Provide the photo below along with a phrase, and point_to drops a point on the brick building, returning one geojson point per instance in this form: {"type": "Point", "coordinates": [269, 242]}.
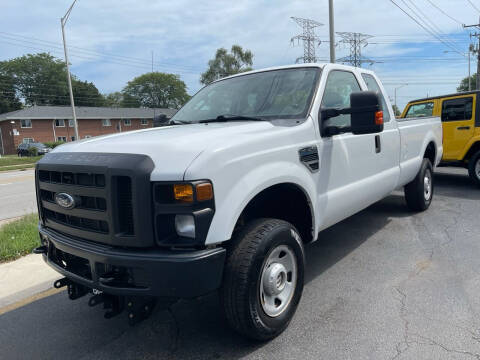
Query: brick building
{"type": "Point", "coordinates": [54, 123]}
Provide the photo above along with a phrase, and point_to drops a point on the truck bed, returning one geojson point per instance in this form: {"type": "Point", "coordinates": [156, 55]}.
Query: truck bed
{"type": "Point", "coordinates": [415, 133]}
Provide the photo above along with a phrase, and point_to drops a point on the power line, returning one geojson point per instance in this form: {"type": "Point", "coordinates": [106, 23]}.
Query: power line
{"type": "Point", "coordinates": [423, 18]}
{"type": "Point", "coordinates": [81, 49]}
{"type": "Point", "coordinates": [426, 29]}
{"type": "Point", "coordinates": [473, 5]}
{"type": "Point", "coordinates": [308, 37]}
{"type": "Point", "coordinates": [443, 12]}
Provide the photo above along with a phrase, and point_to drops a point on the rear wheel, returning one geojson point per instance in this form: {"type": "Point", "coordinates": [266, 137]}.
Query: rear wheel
{"type": "Point", "coordinates": [263, 280]}
{"type": "Point", "coordinates": [474, 168]}
{"type": "Point", "coordinates": [419, 192]}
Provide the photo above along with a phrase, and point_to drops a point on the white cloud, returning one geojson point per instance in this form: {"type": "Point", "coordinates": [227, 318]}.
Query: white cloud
{"type": "Point", "coordinates": [184, 35]}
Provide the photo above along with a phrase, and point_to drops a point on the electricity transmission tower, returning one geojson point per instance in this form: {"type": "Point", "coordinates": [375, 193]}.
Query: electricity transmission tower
{"type": "Point", "coordinates": [309, 39]}
{"type": "Point", "coordinates": [357, 41]}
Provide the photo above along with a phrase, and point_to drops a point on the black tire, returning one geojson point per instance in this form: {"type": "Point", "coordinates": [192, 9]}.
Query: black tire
{"type": "Point", "coordinates": [473, 167]}
{"type": "Point", "coordinates": [416, 191]}
{"type": "Point", "coordinates": [241, 294]}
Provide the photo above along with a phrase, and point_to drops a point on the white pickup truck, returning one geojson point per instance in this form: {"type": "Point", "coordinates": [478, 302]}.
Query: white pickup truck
{"type": "Point", "coordinates": [251, 169]}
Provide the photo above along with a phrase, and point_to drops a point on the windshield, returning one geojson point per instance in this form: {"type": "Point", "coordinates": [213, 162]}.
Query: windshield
{"type": "Point", "coordinates": [280, 94]}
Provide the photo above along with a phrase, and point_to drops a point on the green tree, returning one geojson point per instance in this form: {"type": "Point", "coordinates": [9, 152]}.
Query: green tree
{"type": "Point", "coordinates": [85, 94]}
{"type": "Point", "coordinates": [156, 89]}
{"type": "Point", "coordinates": [9, 100]}
{"type": "Point", "coordinates": [396, 110]}
{"type": "Point", "coordinates": [225, 64]}
{"type": "Point", "coordinates": [464, 83]}
{"type": "Point", "coordinates": [41, 79]}
{"type": "Point", "coordinates": [119, 99]}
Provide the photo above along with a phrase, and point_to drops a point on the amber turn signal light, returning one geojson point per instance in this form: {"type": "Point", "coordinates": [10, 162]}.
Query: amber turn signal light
{"type": "Point", "coordinates": [183, 192]}
{"type": "Point", "coordinates": [204, 191]}
{"type": "Point", "coordinates": [379, 118]}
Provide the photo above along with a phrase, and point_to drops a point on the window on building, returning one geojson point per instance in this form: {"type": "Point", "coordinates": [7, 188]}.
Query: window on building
{"type": "Point", "coordinates": [420, 110]}
{"type": "Point", "coordinates": [457, 109]}
{"type": "Point", "coordinates": [88, 136]}
{"type": "Point", "coordinates": [144, 122]}
{"type": "Point", "coordinates": [60, 123]}
{"type": "Point", "coordinates": [62, 138]}
{"type": "Point", "coordinates": [70, 123]}
{"type": "Point", "coordinates": [106, 122]}
{"type": "Point", "coordinates": [28, 140]}
{"type": "Point", "coordinates": [26, 123]}
{"type": "Point", "coordinates": [127, 122]}
{"type": "Point", "coordinates": [72, 138]}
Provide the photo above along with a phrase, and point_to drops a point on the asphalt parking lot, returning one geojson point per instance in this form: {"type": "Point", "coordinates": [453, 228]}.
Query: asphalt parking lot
{"type": "Point", "coordinates": [383, 284]}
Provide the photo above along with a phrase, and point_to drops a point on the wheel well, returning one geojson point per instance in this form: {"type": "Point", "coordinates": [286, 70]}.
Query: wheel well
{"type": "Point", "coordinates": [283, 201]}
{"type": "Point", "coordinates": [431, 153]}
{"type": "Point", "coordinates": [473, 150]}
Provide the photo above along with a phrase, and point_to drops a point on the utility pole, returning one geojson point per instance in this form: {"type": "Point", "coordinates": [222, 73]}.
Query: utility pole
{"type": "Point", "coordinates": [395, 92]}
{"type": "Point", "coordinates": [308, 37]}
{"type": "Point", "coordinates": [477, 51]}
{"type": "Point", "coordinates": [63, 21]}
{"type": "Point", "coordinates": [331, 27]}
{"type": "Point", "coordinates": [357, 41]}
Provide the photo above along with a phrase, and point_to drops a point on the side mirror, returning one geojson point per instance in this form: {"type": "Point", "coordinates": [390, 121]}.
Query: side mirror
{"type": "Point", "coordinates": [366, 116]}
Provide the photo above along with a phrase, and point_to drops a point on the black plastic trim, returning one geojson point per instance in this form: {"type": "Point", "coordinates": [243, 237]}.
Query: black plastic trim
{"type": "Point", "coordinates": [202, 211]}
{"type": "Point", "coordinates": [135, 166]}
{"type": "Point", "coordinates": [167, 273]}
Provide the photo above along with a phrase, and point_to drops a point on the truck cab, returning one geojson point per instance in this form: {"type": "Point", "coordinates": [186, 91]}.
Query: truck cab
{"type": "Point", "coordinates": [460, 114]}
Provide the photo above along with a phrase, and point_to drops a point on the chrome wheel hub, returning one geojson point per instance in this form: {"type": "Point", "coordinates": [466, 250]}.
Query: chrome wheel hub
{"type": "Point", "coordinates": [278, 281]}
{"type": "Point", "coordinates": [427, 185]}
{"type": "Point", "coordinates": [477, 168]}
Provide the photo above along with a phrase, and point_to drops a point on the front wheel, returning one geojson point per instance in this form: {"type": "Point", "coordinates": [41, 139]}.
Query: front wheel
{"type": "Point", "coordinates": [474, 168]}
{"type": "Point", "coordinates": [263, 280]}
{"type": "Point", "coordinates": [419, 192]}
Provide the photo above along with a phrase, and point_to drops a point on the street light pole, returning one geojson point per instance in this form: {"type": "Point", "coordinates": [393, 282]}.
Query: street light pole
{"type": "Point", "coordinates": [395, 92]}
{"type": "Point", "coordinates": [332, 30]}
{"type": "Point", "coordinates": [63, 21]}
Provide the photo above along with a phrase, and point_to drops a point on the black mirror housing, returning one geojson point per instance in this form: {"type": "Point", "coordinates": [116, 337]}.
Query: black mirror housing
{"type": "Point", "coordinates": [366, 115]}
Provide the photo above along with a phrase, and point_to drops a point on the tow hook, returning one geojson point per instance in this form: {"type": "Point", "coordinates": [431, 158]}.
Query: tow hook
{"type": "Point", "coordinates": [40, 250]}
{"type": "Point", "coordinates": [75, 291]}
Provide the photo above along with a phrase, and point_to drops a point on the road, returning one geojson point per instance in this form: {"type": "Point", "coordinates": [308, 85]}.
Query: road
{"type": "Point", "coordinates": [17, 193]}
{"type": "Point", "coordinates": [383, 284]}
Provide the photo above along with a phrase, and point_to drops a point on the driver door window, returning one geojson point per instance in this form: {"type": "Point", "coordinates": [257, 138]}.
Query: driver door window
{"type": "Point", "coordinates": [339, 86]}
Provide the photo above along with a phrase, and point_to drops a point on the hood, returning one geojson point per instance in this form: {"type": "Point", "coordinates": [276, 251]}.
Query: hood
{"type": "Point", "coordinates": [172, 148]}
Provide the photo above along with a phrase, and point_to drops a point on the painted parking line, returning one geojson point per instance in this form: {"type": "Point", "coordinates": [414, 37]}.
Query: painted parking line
{"type": "Point", "coordinates": [29, 300]}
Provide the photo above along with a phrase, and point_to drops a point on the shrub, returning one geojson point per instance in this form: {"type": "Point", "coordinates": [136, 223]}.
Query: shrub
{"type": "Point", "coordinates": [53, 144]}
{"type": "Point", "coordinates": [33, 151]}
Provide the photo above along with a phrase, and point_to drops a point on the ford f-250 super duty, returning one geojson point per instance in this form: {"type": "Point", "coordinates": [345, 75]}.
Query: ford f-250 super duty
{"type": "Point", "coordinates": [251, 169]}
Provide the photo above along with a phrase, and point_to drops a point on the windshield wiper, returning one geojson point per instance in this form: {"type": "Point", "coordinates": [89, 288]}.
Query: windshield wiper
{"type": "Point", "coordinates": [224, 118]}
{"type": "Point", "coordinates": [178, 122]}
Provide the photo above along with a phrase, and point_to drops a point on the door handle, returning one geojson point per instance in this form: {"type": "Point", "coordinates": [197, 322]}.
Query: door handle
{"type": "Point", "coordinates": [378, 144]}
{"type": "Point", "coordinates": [463, 128]}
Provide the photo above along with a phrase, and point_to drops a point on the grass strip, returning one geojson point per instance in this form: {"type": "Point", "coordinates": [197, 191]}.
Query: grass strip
{"type": "Point", "coordinates": [18, 238]}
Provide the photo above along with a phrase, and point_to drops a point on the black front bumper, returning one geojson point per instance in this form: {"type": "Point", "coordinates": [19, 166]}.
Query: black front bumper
{"type": "Point", "coordinates": [139, 272]}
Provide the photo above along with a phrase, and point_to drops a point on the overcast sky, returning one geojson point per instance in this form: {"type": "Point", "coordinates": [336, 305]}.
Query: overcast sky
{"type": "Point", "coordinates": [112, 41]}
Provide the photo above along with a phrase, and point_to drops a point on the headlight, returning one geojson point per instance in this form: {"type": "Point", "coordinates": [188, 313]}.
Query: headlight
{"type": "Point", "coordinates": [185, 193]}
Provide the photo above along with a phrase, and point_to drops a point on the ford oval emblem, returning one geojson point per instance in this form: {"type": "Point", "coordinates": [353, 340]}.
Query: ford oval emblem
{"type": "Point", "coordinates": [65, 200]}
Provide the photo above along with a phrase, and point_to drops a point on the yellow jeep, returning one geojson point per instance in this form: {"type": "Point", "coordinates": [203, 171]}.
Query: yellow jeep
{"type": "Point", "coordinates": [460, 115]}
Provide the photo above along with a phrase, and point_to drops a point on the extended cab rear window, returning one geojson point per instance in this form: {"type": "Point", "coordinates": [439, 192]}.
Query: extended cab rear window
{"type": "Point", "coordinates": [420, 110]}
{"type": "Point", "coordinates": [372, 85]}
{"type": "Point", "coordinates": [457, 109]}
